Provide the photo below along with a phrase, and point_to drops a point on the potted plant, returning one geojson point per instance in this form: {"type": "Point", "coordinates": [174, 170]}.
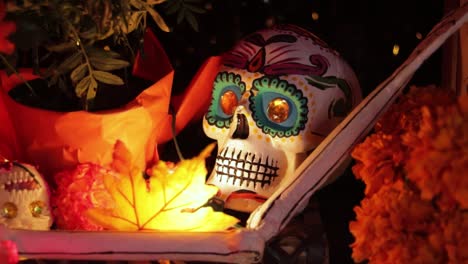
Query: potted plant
{"type": "Point", "coordinates": [96, 74]}
{"type": "Point", "coordinates": [85, 46]}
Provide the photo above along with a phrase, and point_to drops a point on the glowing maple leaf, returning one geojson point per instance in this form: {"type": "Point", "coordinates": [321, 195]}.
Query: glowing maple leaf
{"type": "Point", "coordinates": [171, 199]}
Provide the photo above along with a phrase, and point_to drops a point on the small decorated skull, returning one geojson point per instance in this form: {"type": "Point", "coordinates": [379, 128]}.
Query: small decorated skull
{"type": "Point", "coordinates": [278, 94]}
{"type": "Point", "coordinates": [24, 197]}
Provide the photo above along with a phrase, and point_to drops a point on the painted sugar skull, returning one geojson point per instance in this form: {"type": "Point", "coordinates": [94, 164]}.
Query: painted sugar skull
{"type": "Point", "coordinates": [24, 197]}
{"type": "Point", "coordinates": [279, 92]}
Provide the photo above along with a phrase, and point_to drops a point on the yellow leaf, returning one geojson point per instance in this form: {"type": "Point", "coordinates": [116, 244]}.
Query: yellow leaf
{"type": "Point", "coordinates": [173, 197]}
{"type": "Point", "coordinates": [157, 18]}
{"type": "Point", "coordinates": [121, 158]}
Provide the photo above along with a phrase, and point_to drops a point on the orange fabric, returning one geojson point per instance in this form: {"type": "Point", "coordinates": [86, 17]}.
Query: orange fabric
{"type": "Point", "coordinates": [194, 102]}
{"type": "Point", "coordinates": [55, 140]}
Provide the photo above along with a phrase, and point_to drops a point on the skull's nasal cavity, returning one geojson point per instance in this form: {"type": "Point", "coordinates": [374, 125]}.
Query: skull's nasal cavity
{"type": "Point", "coordinates": [242, 128]}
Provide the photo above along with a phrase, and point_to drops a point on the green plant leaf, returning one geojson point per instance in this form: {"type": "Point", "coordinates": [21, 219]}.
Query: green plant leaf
{"type": "Point", "coordinates": [110, 31]}
{"type": "Point", "coordinates": [172, 7]}
{"type": "Point", "coordinates": [65, 87]}
{"type": "Point", "coordinates": [108, 64]}
{"type": "Point", "coordinates": [155, 2]}
{"type": "Point", "coordinates": [191, 20]}
{"type": "Point", "coordinates": [70, 63]}
{"type": "Point", "coordinates": [62, 47]}
{"type": "Point", "coordinates": [87, 85]}
{"type": "Point", "coordinates": [89, 34]}
{"type": "Point", "coordinates": [82, 86]}
{"type": "Point", "coordinates": [132, 22]}
{"type": "Point", "coordinates": [180, 15]}
{"type": "Point", "coordinates": [52, 80]}
{"type": "Point", "coordinates": [101, 53]}
{"type": "Point", "coordinates": [92, 90]}
{"type": "Point", "coordinates": [79, 72]}
{"type": "Point", "coordinates": [137, 4]}
{"type": "Point", "coordinates": [157, 18]}
{"type": "Point", "coordinates": [195, 9]}
{"type": "Point", "coordinates": [106, 77]}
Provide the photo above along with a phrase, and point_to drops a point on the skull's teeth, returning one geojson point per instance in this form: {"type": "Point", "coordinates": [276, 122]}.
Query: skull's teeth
{"type": "Point", "coordinates": [20, 182]}
{"type": "Point", "coordinates": [245, 168]}
{"type": "Point", "coordinates": [21, 185]}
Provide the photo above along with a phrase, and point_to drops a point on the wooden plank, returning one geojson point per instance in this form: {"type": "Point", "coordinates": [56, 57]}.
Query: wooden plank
{"type": "Point", "coordinates": [463, 55]}
{"type": "Point", "coordinates": [455, 55]}
{"type": "Point", "coordinates": [237, 246]}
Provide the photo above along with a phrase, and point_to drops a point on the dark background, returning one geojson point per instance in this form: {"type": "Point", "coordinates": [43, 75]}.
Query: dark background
{"type": "Point", "coordinates": [362, 31]}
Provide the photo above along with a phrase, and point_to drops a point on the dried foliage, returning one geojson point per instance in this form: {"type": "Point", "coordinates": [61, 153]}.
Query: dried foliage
{"type": "Point", "coordinates": [86, 44]}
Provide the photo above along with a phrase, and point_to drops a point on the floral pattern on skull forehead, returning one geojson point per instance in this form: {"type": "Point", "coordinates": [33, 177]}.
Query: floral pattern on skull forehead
{"type": "Point", "coordinates": [286, 50]}
{"type": "Point", "coordinates": [273, 54]}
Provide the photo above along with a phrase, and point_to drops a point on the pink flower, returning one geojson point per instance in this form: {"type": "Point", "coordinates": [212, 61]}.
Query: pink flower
{"type": "Point", "coordinates": [77, 191]}
{"type": "Point", "coordinates": [8, 252]}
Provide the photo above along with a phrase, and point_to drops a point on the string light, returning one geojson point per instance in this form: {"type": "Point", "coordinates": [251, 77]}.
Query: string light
{"type": "Point", "coordinates": [269, 22]}
{"type": "Point", "coordinates": [418, 35]}
{"type": "Point", "coordinates": [315, 16]}
{"type": "Point", "coordinates": [396, 49]}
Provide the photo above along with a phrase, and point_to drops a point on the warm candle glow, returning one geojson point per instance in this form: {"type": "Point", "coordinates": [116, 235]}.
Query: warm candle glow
{"type": "Point", "coordinates": [172, 199]}
{"type": "Point", "coordinates": [396, 49]}
{"type": "Point", "coordinates": [315, 16]}
{"type": "Point", "coordinates": [419, 35]}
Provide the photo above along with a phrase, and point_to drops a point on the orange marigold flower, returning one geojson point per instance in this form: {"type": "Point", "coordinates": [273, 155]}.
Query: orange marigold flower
{"type": "Point", "coordinates": [455, 235]}
{"type": "Point", "coordinates": [379, 159]}
{"type": "Point", "coordinates": [393, 226]}
{"type": "Point", "coordinates": [438, 164]}
{"type": "Point", "coordinates": [404, 115]}
{"type": "Point", "coordinates": [414, 167]}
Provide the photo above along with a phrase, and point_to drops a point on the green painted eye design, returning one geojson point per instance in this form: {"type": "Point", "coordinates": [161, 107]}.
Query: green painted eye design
{"type": "Point", "coordinates": [228, 88]}
{"type": "Point", "coordinates": [278, 108]}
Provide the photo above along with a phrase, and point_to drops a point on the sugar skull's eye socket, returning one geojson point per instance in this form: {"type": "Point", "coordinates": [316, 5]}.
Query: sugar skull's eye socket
{"type": "Point", "coordinates": [9, 210]}
{"type": "Point", "coordinates": [36, 208]}
{"type": "Point", "coordinates": [228, 88]}
{"type": "Point", "coordinates": [228, 102]}
{"type": "Point", "coordinates": [278, 107]}
{"type": "Point", "coordinates": [278, 110]}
